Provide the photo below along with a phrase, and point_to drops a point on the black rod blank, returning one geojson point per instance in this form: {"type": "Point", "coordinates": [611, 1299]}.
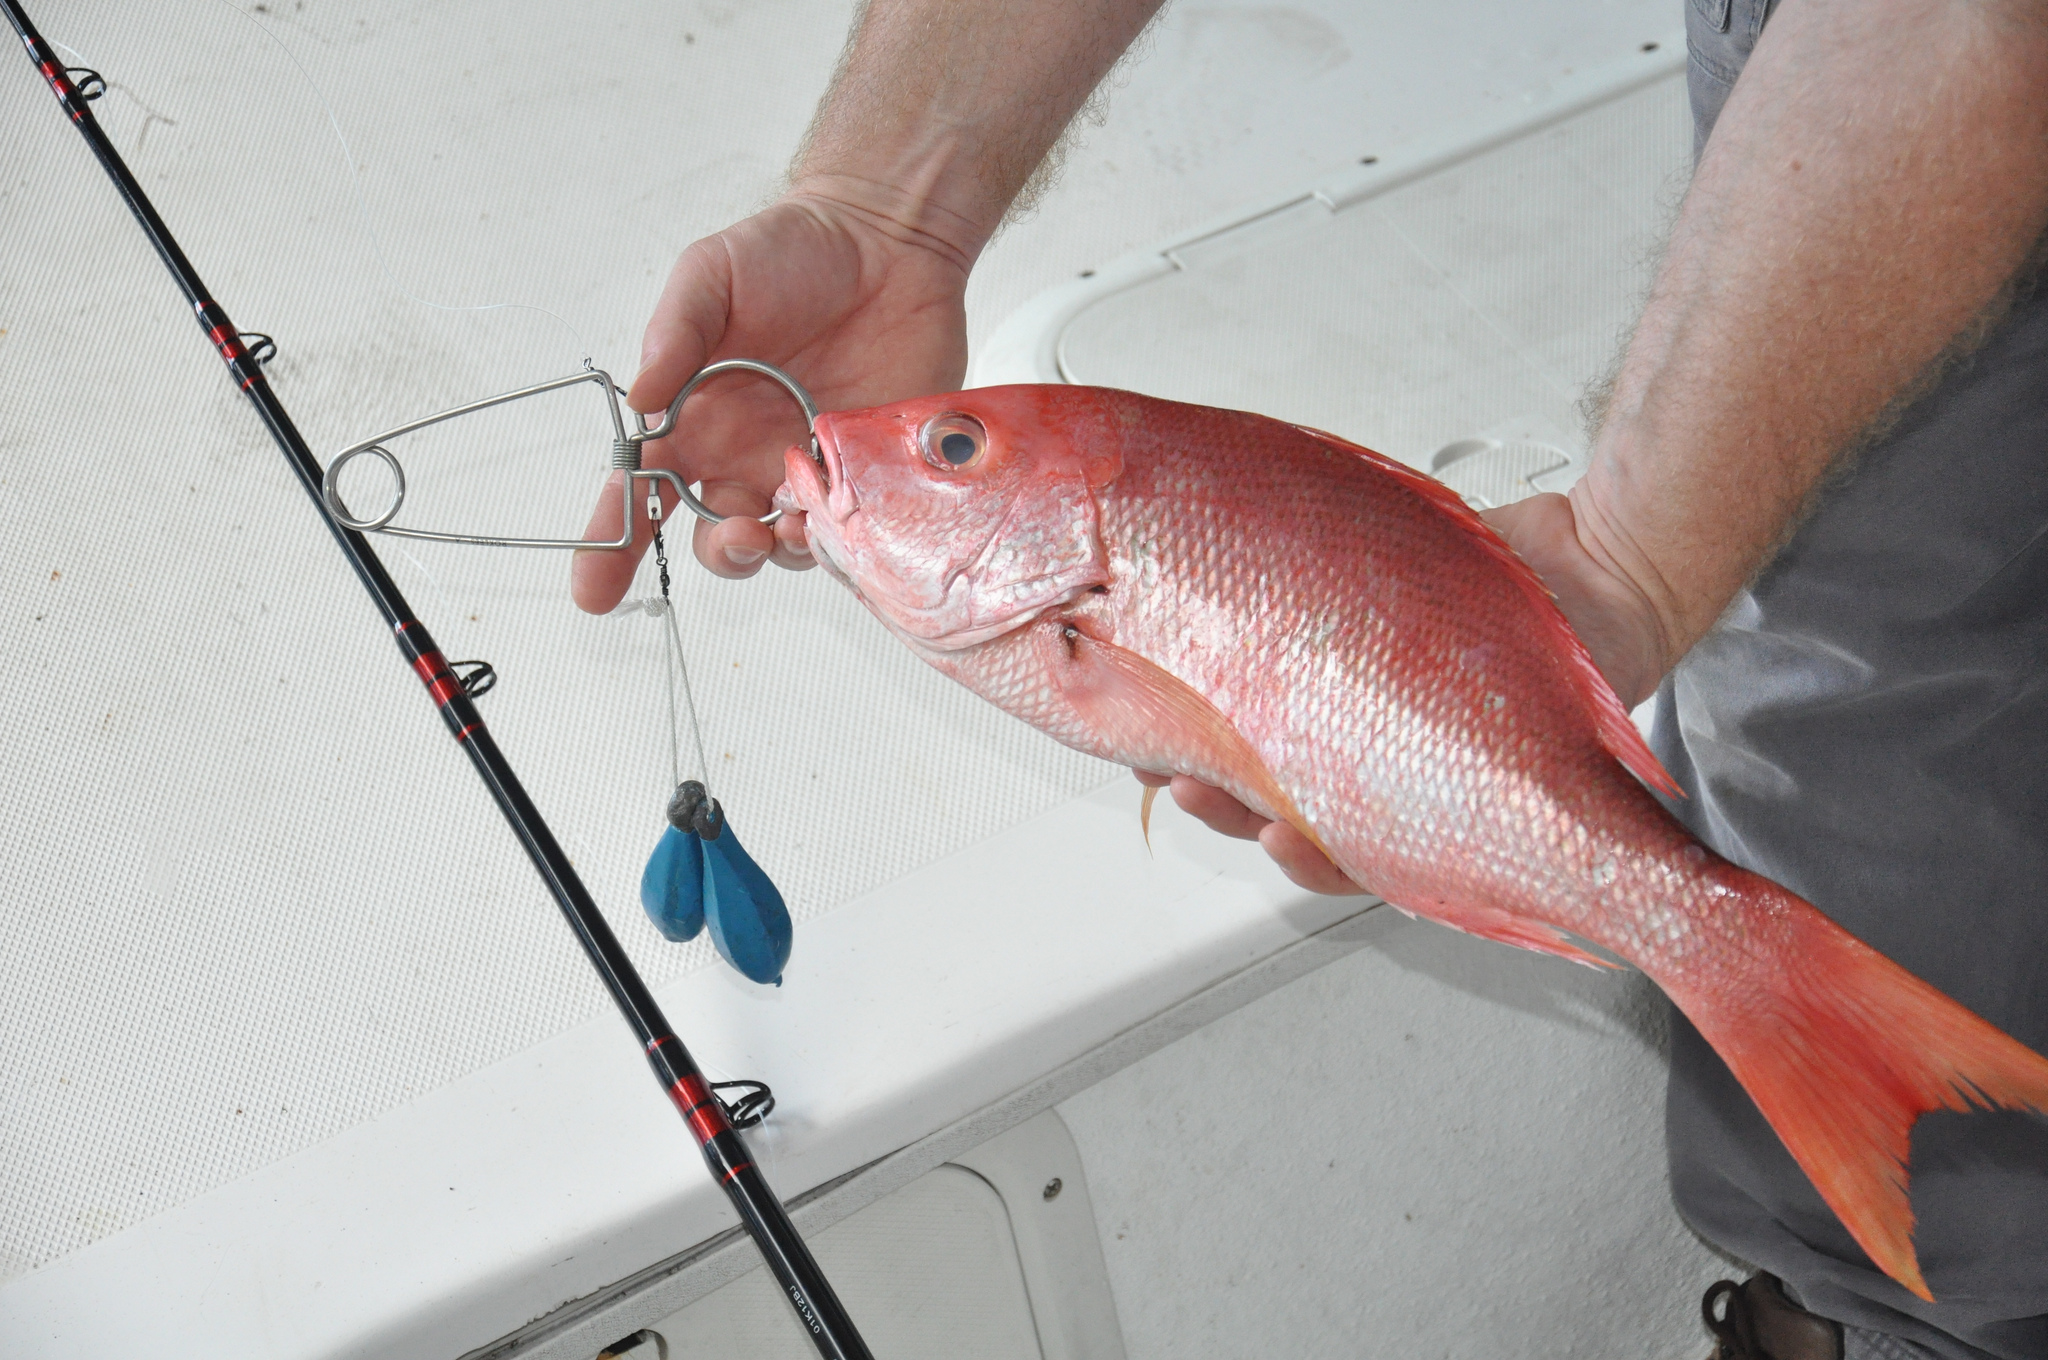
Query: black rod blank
{"type": "Point", "coordinates": [731, 1165]}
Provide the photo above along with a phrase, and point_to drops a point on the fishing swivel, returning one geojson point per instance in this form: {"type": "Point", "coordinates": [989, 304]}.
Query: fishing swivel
{"type": "Point", "coordinates": [627, 447]}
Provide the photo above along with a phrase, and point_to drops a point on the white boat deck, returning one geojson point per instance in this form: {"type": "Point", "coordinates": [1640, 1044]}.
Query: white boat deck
{"type": "Point", "coordinates": [298, 1060]}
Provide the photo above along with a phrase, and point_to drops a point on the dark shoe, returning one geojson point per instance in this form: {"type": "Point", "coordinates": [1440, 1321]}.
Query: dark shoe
{"type": "Point", "coordinates": [1760, 1323]}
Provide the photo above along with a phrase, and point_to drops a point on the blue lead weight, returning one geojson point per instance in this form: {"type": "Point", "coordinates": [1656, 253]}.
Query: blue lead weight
{"type": "Point", "coordinates": [701, 875]}
{"type": "Point", "coordinates": [749, 924]}
{"type": "Point", "coordinates": [672, 886]}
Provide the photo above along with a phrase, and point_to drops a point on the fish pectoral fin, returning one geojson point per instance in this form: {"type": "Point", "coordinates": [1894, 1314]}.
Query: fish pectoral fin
{"type": "Point", "coordinates": [1491, 923]}
{"type": "Point", "coordinates": [1139, 707]}
{"type": "Point", "coordinates": [1145, 813]}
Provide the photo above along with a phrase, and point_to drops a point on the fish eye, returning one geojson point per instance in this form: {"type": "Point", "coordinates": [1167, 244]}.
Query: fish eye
{"type": "Point", "coordinates": [953, 440]}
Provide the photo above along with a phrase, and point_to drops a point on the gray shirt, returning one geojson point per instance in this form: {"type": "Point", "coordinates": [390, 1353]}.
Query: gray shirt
{"type": "Point", "coordinates": [1868, 725]}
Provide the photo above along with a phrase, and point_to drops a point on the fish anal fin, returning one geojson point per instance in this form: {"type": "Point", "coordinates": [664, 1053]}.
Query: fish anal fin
{"type": "Point", "coordinates": [1490, 923]}
{"type": "Point", "coordinates": [1616, 731]}
{"type": "Point", "coordinates": [1160, 722]}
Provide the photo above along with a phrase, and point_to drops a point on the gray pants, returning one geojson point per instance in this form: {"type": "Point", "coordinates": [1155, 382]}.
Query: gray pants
{"type": "Point", "coordinates": [1868, 725]}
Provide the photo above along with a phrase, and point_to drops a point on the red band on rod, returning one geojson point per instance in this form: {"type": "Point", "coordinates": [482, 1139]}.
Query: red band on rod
{"type": "Point", "coordinates": [440, 681]}
{"type": "Point", "coordinates": [701, 1110]}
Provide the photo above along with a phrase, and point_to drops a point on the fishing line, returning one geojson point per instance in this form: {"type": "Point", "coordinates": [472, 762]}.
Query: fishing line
{"type": "Point", "coordinates": [674, 664]}
{"type": "Point", "coordinates": [432, 582]}
{"type": "Point", "coordinates": [355, 182]}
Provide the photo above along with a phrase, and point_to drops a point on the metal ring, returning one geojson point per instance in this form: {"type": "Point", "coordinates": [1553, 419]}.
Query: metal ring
{"type": "Point", "coordinates": [668, 423]}
{"type": "Point", "coordinates": [330, 490]}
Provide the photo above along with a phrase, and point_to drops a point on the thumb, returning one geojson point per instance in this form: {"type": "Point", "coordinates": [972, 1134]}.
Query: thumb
{"type": "Point", "coordinates": [688, 323]}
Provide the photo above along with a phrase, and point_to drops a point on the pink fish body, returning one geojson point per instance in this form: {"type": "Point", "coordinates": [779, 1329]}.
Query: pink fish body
{"type": "Point", "coordinates": [1339, 642]}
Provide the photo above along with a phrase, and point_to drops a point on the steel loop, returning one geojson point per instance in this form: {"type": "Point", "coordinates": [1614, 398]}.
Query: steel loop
{"type": "Point", "coordinates": [668, 423]}
{"type": "Point", "coordinates": [626, 457]}
{"type": "Point", "coordinates": [330, 490]}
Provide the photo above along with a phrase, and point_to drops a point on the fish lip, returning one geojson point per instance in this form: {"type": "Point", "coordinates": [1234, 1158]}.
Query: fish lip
{"type": "Point", "coordinates": [839, 499]}
{"type": "Point", "coordinates": [811, 482]}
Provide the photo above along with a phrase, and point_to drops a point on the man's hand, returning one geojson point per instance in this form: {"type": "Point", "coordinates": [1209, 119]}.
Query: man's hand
{"type": "Point", "coordinates": [1611, 614]}
{"type": "Point", "coordinates": [857, 313]}
{"type": "Point", "coordinates": [1604, 607]}
{"type": "Point", "coordinates": [938, 118]}
{"type": "Point", "coordinates": [1296, 855]}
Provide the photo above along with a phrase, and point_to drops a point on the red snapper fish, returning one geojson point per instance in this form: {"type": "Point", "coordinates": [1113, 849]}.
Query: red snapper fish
{"type": "Point", "coordinates": [1339, 642]}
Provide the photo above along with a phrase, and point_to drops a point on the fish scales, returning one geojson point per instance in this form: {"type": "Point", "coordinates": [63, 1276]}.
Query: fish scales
{"type": "Point", "coordinates": [1390, 730]}
{"type": "Point", "coordinates": [1340, 643]}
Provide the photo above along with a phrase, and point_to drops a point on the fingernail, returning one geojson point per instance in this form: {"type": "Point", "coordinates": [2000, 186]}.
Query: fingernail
{"type": "Point", "coordinates": [744, 557]}
{"type": "Point", "coordinates": [799, 548]}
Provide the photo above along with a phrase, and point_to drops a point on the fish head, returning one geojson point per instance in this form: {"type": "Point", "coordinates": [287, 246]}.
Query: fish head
{"type": "Point", "coordinates": [958, 518]}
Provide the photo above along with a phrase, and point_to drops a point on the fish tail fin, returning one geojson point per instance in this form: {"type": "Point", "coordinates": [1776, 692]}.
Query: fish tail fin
{"type": "Point", "coordinates": [1843, 1051]}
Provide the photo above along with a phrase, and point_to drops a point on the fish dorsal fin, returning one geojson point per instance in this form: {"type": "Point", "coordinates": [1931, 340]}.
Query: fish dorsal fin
{"type": "Point", "coordinates": [1616, 730]}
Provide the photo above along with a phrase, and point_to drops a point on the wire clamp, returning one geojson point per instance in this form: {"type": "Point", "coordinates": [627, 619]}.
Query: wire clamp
{"type": "Point", "coordinates": [628, 447]}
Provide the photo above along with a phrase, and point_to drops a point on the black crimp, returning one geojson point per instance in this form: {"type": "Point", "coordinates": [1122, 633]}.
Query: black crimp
{"type": "Point", "coordinates": [692, 808]}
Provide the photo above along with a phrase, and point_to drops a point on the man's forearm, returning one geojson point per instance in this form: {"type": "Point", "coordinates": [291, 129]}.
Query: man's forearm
{"type": "Point", "coordinates": [942, 109]}
{"type": "Point", "coordinates": [1878, 174]}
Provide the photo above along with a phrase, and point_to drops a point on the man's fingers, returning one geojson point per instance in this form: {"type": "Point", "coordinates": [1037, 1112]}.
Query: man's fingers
{"type": "Point", "coordinates": [1295, 853]}
{"type": "Point", "coordinates": [792, 543]}
{"type": "Point", "coordinates": [1306, 866]}
{"type": "Point", "coordinates": [686, 326]}
{"type": "Point", "coordinates": [1616, 621]}
{"type": "Point", "coordinates": [1546, 514]}
{"type": "Point", "coordinates": [598, 578]}
{"type": "Point", "coordinates": [741, 545]}
{"type": "Point", "coordinates": [1216, 809]}
{"type": "Point", "coordinates": [686, 323]}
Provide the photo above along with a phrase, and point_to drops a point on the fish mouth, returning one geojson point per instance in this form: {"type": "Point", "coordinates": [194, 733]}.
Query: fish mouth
{"type": "Point", "coordinates": [825, 444]}
{"type": "Point", "coordinates": [836, 490]}
{"type": "Point", "coordinates": [814, 478]}
{"type": "Point", "coordinates": [815, 486]}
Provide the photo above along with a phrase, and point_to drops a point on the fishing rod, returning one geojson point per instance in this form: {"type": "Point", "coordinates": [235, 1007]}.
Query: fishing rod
{"type": "Point", "coordinates": [817, 1308]}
